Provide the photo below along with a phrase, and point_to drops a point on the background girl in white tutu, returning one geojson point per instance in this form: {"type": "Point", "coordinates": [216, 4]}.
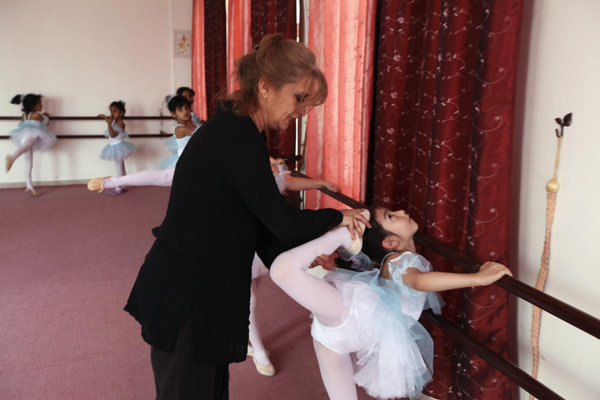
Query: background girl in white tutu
{"type": "Point", "coordinates": [31, 135]}
{"type": "Point", "coordinates": [181, 109]}
{"type": "Point", "coordinates": [118, 149]}
{"type": "Point", "coordinates": [373, 314]}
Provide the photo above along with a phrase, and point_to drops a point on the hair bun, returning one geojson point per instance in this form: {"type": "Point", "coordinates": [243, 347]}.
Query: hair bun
{"type": "Point", "coordinates": [18, 99]}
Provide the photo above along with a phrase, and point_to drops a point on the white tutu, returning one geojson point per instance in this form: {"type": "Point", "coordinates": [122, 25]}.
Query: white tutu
{"type": "Point", "coordinates": [394, 351]}
{"type": "Point", "coordinates": [117, 149]}
{"type": "Point", "coordinates": [118, 152]}
{"type": "Point", "coordinates": [33, 129]}
{"type": "Point", "coordinates": [175, 146]}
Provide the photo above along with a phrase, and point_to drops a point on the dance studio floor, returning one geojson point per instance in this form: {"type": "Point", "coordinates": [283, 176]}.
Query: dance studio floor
{"type": "Point", "coordinates": [67, 262]}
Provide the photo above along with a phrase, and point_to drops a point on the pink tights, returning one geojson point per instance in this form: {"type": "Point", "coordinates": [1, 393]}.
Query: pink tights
{"type": "Point", "coordinates": [324, 301]}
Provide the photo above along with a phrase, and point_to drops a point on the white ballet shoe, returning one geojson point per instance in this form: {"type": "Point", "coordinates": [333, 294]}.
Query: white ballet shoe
{"type": "Point", "coordinates": [356, 245]}
{"type": "Point", "coordinates": [265, 370]}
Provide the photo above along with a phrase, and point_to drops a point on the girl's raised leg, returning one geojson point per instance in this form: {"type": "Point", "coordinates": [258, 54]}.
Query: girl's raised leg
{"type": "Point", "coordinates": [28, 145]}
{"type": "Point", "coordinates": [289, 273]}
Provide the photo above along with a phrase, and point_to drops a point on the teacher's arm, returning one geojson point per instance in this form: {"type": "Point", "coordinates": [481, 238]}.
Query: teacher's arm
{"type": "Point", "coordinates": [248, 172]}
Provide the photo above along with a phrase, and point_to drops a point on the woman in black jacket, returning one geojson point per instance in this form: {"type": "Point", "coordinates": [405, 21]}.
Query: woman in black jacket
{"type": "Point", "coordinates": [192, 293]}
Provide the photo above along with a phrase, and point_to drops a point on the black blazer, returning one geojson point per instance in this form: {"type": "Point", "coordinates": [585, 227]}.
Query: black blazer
{"type": "Point", "coordinates": [224, 206]}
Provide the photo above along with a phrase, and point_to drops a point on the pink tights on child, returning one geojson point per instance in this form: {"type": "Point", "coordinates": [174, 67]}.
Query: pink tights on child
{"type": "Point", "coordinates": [142, 178]}
{"type": "Point", "coordinates": [324, 301]}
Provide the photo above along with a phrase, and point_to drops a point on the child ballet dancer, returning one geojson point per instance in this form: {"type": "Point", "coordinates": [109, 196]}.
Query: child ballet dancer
{"type": "Point", "coordinates": [373, 314]}
{"type": "Point", "coordinates": [190, 94]}
{"type": "Point", "coordinates": [31, 135]}
{"type": "Point", "coordinates": [117, 149]}
{"type": "Point", "coordinates": [179, 108]}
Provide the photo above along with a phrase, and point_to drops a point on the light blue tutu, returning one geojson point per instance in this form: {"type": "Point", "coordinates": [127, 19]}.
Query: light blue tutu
{"type": "Point", "coordinates": [171, 144]}
{"type": "Point", "coordinates": [118, 152]}
{"type": "Point", "coordinates": [398, 361]}
{"type": "Point", "coordinates": [28, 129]}
{"type": "Point", "coordinates": [169, 162]}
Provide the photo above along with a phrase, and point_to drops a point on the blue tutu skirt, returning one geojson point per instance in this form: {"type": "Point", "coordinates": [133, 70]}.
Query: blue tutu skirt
{"type": "Point", "coordinates": [118, 152]}
{"type": "Point", "coordinates": [33, 129]}
{"type": "Point", "coordinates": [394, 351]}
{"type": "Point", "coordinates": [169, 162]}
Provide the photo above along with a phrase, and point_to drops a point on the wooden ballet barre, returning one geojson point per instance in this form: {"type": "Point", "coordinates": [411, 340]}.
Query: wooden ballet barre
{"type": "Point", "coordinates": [558, 308]}
{"type": "Point", "coordinates": [520, 377]}
{"type": "Point", "coordinates": [57, 118]}
{"type": "Point", "coordinates": [133, 135]}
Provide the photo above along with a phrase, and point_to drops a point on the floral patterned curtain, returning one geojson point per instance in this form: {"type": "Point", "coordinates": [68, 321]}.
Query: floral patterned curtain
{"type": "Point", "coordinates": [442, 151]}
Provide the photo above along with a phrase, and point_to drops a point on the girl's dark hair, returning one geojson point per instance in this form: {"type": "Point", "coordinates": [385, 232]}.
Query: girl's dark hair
{"type": "Point", "coordinates": [183, 89]}
{"type": "Point", "coordinates": [278, 61]}
{"type": "Point", "coordinates": [119, 104]}
{"type": "Point", "coordinates": [372, 239]}
{"type": "Point", "coordinates": [176, 102]}
{"type": "Point", "coordinates": [31, 100]}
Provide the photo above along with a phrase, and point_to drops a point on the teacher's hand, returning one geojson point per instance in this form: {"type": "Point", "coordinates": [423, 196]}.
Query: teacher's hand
{"type": "Point", "coordinates": [352, 219]}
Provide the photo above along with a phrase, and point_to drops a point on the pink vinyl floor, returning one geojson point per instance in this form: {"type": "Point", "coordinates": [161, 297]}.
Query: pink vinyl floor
{"type": "Point", "coordinates": [67, 263]}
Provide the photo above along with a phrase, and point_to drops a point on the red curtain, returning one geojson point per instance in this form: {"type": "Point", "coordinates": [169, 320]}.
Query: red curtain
{"type": "Point", "coordinates": [213, 23]}
{"type": "Point", "coordinates": [269, 16]}
{"type": "Point", "coordinates": [442, 151]}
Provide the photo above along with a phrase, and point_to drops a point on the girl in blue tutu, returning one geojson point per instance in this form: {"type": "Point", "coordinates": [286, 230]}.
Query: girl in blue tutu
{"type": "Point", "coordinates": [181, 109]}
{"type": "Point", "coordinates": [118, 149]}
{"type": "Point", "coordinates": [373, 314]}
{"type": "Point", "coordinates": [31, 135]}
{"type": "Point", "coordinates": [190, 94]}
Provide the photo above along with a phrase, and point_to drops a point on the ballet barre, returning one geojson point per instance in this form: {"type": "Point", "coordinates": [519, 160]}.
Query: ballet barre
{"type": "Point", "coordinates": [67, 118]}
{"type": "Point", "coordinates": [558, 308]}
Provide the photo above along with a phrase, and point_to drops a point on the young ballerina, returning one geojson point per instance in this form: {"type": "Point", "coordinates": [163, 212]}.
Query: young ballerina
{"type": "Point", "coordinates": [190, 94]}
{"type": "Point", "coordinates": [180, 109]}
{"type": "Point", "coordinates": [31, 135]}
{"type": "Point", "coordinates": [373, 314]}
{"type": "Point", "coordinates": [117, 149]}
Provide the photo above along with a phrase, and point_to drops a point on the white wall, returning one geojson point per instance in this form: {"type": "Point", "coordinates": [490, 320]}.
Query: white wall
{"type": "Point", "coordinates": [81, 56]}
{"type": "Point", "coordinates": [560, 60]}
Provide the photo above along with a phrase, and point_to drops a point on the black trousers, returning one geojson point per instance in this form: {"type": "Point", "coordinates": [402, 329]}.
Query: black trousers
{"type": "Point", "coordinates": [179, 376]}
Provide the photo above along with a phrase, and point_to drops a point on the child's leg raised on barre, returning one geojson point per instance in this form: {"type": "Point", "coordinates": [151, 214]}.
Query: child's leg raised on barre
{"type": "Point", "coordinates": [289, 273]}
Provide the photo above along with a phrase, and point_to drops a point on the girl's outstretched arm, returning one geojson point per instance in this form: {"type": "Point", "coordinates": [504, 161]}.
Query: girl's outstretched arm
{"type": "Point", "coordinates": [183, 131]}
{"type": "Point", "coordinates": [109, 120]}
{"type": "Point", "coordinates": [489, 273]}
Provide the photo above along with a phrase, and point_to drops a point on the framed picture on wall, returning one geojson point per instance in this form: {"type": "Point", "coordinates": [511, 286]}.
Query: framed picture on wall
{"type": "Point", "coordinates": [183, 44]}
